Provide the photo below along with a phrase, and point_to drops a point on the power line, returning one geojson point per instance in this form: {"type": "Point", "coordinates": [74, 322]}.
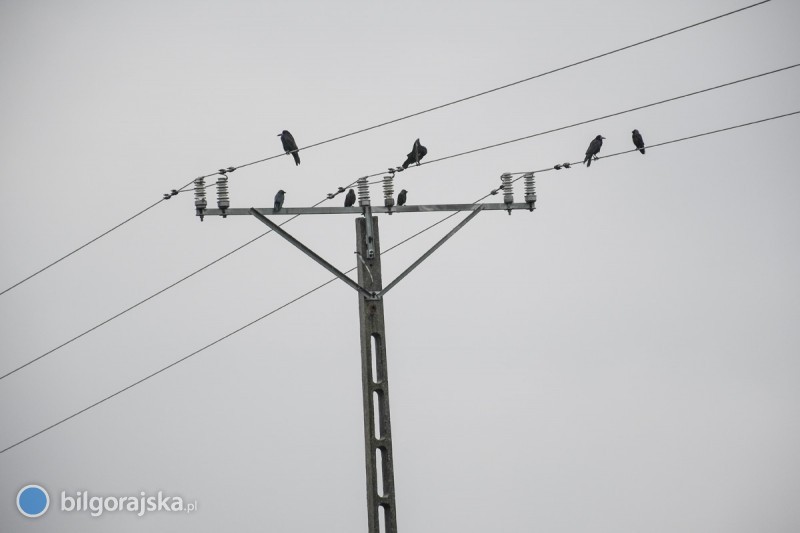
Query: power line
{"type": "Point", "coordinates": [307, 293]}
{"type": "Point", "coordinates": [217, 341]}
{"type": "Point", "coordinates": [665, 143]}
{"type": "Point", "coordinates": [148, 208]}
{"type": "Point", "coordinates": [393, 121]}
{"type": "Point", "coordinates": [596, 119]}
{"type": "Point", "coordinates": [134, 306]}
{"type": "Point", "coordinates": [518, 82]}
{"type": "Point", "coordinates": [341, 189]}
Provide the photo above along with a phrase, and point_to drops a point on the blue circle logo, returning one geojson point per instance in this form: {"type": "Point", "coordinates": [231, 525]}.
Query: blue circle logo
{"type": "Point", "coordinates": [33, 501]}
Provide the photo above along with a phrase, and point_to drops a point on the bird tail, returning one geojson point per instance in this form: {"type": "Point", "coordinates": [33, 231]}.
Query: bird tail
{"type": "Point", "coordinates": [406, 163]}
{"type": "Point", "coordinates": [588, 160]}
{"type": "Point", "coordinates": [296, 158]}
{"type": "Point", "coordinates": [641, 150]}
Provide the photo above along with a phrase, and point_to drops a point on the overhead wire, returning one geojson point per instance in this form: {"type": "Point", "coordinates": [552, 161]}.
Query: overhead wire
{"type": "Point", "coordinates": [79, 248]}
{"type": "Point", "coordinates": [137, 304]}
{"type": "Point", "coordinates": [388, 122]}
{"type": "Point", "coordinates": [307, 293]}
{"type": "Point", "coordinates": [341, 189]}
{"type": "Point", "coordinates": [518, 82]}
{"type": "Point", "coordinates": [596, 119]}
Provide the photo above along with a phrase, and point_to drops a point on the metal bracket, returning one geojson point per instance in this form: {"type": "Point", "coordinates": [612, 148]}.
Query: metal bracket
{"type": "Point", "coordinates": [429, 252]}
{"type": "Point", "coordinates": [370, 236]}
{"type": "Point", "coordinates": [310, 253]}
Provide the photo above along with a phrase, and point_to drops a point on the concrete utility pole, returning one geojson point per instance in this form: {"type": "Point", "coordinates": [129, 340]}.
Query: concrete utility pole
{"type": "Point", "coordinates": [378, 453]}
{"type": "Point", "coordinates": [381, 514]}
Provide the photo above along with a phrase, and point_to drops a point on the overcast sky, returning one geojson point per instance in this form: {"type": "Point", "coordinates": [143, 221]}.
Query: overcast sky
{"type": "Point", "coordinates": [623, 359]}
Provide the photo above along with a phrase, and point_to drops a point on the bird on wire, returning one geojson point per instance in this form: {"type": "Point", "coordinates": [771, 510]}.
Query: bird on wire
{"type": "Point", "coordinates": [401, 198]}
{"type": "Point", "coordinates": [279, 199]}
{"type": "Point", "coordinates": [593, 150]}
{"type": "Point", "coordinates": [350, 199]}
{"type": "Point", "coordinates": [289, 146]}
{"type": "Point", "coordinates": [638, 141]}
{"type": "Point", "coordinates": [417, 153]}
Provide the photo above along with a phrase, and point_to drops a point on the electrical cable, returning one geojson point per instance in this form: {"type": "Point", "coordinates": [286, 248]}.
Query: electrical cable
{"type": "Point", "coordinates": [283, 306]}
{"type": "Point", "coordinates": [134, 306]}
{"type": "Point", "coordinates": [452, 156]}
{"type": "Point", "coordinates": [596, 119]}
{"type": "Point", "coordinates": [393, 121]}
{"type": "Point", "coordinates": [512, 84]}
{"type": "Point", "coordinates": [148, 208]}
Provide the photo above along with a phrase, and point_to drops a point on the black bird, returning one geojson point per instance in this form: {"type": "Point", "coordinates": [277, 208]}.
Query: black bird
{"type": "Point", "coordinates": [350, 199]}
{"type": "Point", "coordinates": [638, 141]}
{"type": "Point", "coordinates": [593, 150]}
{"type": "Point", "coordinates": [416, 155]}
{"type": "Point", "coordinates": [401, 198]}
{"type": "Point", "coordinates": [279, 199]}
{"type": "Point", "coordinates": [289, 145]}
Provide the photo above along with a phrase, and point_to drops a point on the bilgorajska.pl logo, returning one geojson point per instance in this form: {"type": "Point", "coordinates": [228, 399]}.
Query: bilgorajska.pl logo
{"type": "Point", "coordinates": [141, 504]}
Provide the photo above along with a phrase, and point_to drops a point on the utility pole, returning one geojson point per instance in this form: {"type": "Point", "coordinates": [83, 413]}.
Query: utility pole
{"type": "Point", "coordinates": [381, 514]}
{"type": "Point", "coordinates": [378, 453]}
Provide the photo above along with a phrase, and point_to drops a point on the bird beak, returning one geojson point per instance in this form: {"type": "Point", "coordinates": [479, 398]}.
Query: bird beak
{"type": "Point", "coordinates": [602, 137]}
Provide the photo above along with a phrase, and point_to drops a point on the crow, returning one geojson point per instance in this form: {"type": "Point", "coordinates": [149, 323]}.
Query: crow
{"type": "Point", "coordinates": [289, 145]}
{"type": "Point", "coordinates": [593, 150]}
{"type": "Point", "coordinates": [638, 141]}
{"type": "Point", "coordinates": [401, 198]}
{"type": "Point", "coordinates": [350, 199]}
{"type": "Point", "coordinates": [279, 199]}
{"type": "Point", "coordinates": [416, 155]}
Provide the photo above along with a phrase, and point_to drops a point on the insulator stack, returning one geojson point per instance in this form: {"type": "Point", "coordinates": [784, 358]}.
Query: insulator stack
{"type": "Point", "coordinates": [363, 191]}
{"type": "Point", "coordinates": [200, 197]}
{"type": "Point", "coordinates": [388, 190]}
{"type": "Point", "coordinates": [223, 201]}
{"type": "Point", "coordinates": [508, 189]}
{"type": "Point", "coordinates": [530, 188]}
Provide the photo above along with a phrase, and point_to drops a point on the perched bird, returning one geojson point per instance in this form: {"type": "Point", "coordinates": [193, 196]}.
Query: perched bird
{"type": "Point", "coordinates": [593, 150]}
{"type": "Point", "coordinates": [279, 199]}
{"type": "Point", "coordinates": [638, 141]}
{"type": "Point", "coordinates": [401, 198]}
{"type": "Point", "coordinates": [289, 145]}
{"type": "Point", "coordinates": [416, 155]}
{"type": "Point", "coordinates": [350, 199]}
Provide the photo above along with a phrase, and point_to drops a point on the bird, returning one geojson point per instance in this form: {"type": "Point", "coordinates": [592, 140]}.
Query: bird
{"type": "Point", "coordinates": [279, 199]}
{"type": "Point", "coordinates": [350, 199]}
{"type": "Point", "coordinates": [593, 150]}
{"type": "Point", "coordinates": [638, 141]}
{"type": "Point", "coordinates": [289, 145]}
{"type": "Point", "coordinates": [401, 198]}
{"type": "Point", "coordinates": [417, 153]}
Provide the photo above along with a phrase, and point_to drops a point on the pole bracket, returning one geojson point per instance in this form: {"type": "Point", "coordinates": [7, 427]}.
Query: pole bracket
{"type": "Point", "coordinates": [370, 295]}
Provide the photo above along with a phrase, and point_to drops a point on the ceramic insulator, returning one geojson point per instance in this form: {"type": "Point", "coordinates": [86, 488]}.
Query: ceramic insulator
{"type": "Point", "coordinates": [530, 187]}
{"type": "Point", "coordinates": [388, 190]}
{"type": "Point", "coordinates": [508, 189]}
{"type": "Point", "coordinates": [363, 191]}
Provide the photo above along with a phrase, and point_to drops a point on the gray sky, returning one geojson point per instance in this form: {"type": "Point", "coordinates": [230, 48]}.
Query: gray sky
{"type": "Point", "coordinates": [623, 359]}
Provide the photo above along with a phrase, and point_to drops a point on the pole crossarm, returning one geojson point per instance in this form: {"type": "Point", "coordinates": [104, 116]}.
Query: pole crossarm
{"type": "Point", "coordinates": [358, 210]}
{"type": "Point", "coordinates": [424, 256]}
{"type": "Point", "coordinates": [310, 253]}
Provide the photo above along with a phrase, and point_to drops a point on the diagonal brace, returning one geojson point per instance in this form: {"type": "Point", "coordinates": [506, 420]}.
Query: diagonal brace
{"type": "Point", "coordinates": [310, 253]}
{"type": "Point", "coordinates": [429, 252]}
